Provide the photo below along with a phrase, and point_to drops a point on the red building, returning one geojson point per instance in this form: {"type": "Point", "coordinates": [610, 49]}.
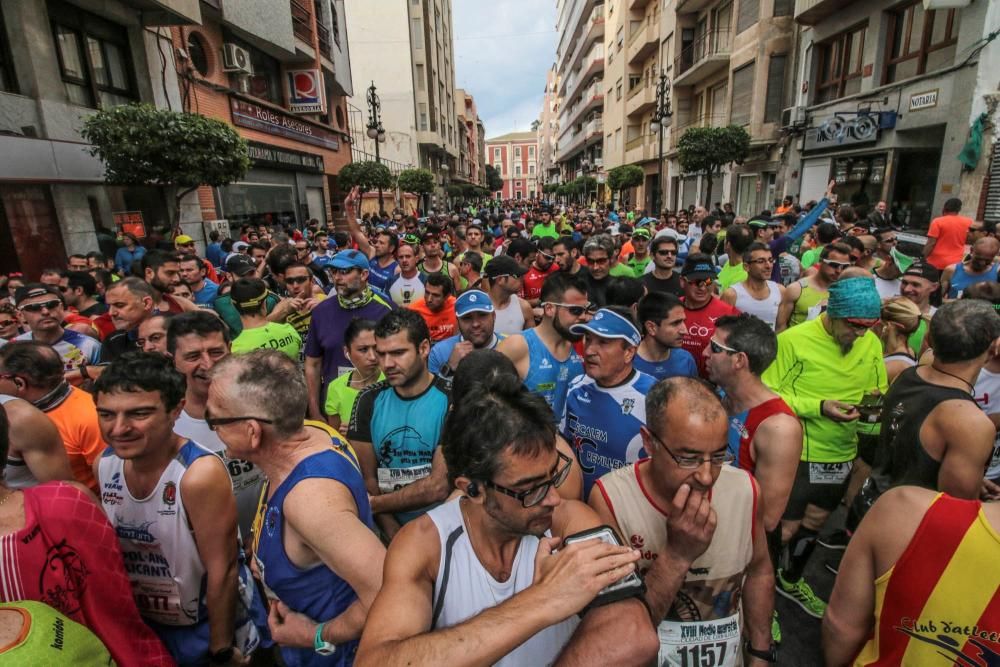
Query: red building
{"type": "Point", "coordinates": [515, 157]}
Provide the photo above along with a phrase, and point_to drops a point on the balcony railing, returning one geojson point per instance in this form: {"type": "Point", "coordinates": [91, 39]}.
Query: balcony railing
{"type": "Point", "coordinates": [708, 120]}
{"type": "Point", "coordinates": [325, 43]}
{"type": "Point", "coordinates": [713, 43]}
{"type": "Point", "coordinates": [301, 21]}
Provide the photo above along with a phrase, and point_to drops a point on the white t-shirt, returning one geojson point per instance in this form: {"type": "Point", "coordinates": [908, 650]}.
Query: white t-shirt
{"type": "Point", "coordinates": [987, 395]}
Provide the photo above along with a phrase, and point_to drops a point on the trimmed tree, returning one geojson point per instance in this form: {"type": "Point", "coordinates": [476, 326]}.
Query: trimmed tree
{"type": "Point", "coordinates": [142, 145]}
{"type": "Point", "coordinates": [624, 177]}
{"type": "Point", "coordinates": [709, 149]}
{"type": "Point", "coordinates": [550, 188]}
{"type": "Point", "coordinates": [494, 182]}
{"type": "Point", "coordinates": [418, 181]}
{"type": "Point", "coordinates": [367, 175]}
{"type": "Point", "coordinates": [585, 185]}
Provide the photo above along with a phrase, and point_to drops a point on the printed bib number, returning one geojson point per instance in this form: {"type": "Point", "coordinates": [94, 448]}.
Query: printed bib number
{"type": "Point", "coordinates": [993, 471]}
{"type": "Point", "coordinates": [829, 473]}
{"type": "Point", "coordinates": [815, 311]}
{"type": "Point", "coordinates": [159, 600]}
{"type": "Point", "coordinates": [393, 479]}
{"type": "Point", "coordinates": [700, 643]}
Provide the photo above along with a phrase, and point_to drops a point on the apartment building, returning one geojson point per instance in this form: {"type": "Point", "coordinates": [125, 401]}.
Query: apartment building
{"type": "Point", "coordinates": [59, 63]}
{"type": "Point", "coordinates": [515, 157]}
{"type": "Point", "coordinates": [239, 65]}
{"type": "Point", "coordinates": [469, 168]}
{"type": "Point", "coordinates": [580, 88]}
{"type": "Point", "coordinates": [548, 129]}
{"type": "Point", "coordinates": [407, 49]}
{"type": "Point", "coordinates": [888, 93]}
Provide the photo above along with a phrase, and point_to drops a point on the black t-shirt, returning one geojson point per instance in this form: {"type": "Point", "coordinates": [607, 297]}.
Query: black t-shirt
{"type": "Point", "coordinates": [116, 345]}
{"type": "Point", "coordinates": [95, 310]}
{"type": "Point", "coordinates": [597, 290]}
{"type": "Point", "coordinates": [671, 285]}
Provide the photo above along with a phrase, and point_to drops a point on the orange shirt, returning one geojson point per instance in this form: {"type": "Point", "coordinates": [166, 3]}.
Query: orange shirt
{"type": "Point", "coordinates": [950, 231]}
{"type": "Point", "coordinates": [76, 419]}
{"type": "Point", "coordinates": [443, 323]}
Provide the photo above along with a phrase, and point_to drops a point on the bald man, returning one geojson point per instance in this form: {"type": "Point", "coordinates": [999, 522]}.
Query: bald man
{"type": "Point", "coordinates": [980, 266]}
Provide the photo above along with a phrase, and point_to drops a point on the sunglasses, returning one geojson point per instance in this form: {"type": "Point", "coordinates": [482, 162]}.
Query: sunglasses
{"type": "Point", "coordinates": [719, 348]}
{"type": "Point", "coordinates": [667, 253]}
{"type": "Point", "coordinates": [7, 323]}
{"type": "Point", "coordinates": [573, 309]}
{"type": "Point", "coordinates": [705, 282]}
{"type": "Point", "coordinates": [297, 281]}
{"type": "Point", "coordinates": [836, 265]}
{"type": "Point", "coordinates": [38, 307]}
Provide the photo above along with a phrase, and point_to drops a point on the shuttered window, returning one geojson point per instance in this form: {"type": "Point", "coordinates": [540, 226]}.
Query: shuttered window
{"type": "Point", "coordinates": [748, 14]}
{"type": "Point", "coordinates": [991, 213]}
{"type": "Point", "coordinates": [742, 95]}
{"type": "Point", "coordinates": [784, 7]}
{"type": "Point", "coordinates": [775, 88]}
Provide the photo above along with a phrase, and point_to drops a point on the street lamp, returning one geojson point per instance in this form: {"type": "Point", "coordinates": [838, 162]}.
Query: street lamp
{"type": "Point", "coordinates": [376, 132]}
{"type": "Point", "coordinates": [585, 166]}
{"type": "Point", "coordinates": [661, 114]}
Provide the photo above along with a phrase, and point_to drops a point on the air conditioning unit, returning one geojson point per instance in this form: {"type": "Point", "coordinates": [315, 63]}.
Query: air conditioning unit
{"type": "Point", "coordinates": [793, 117]}
{"type": "Point", "coordinates": [236, 59]}
{"type": "Point", "coordinates": [598, 163]}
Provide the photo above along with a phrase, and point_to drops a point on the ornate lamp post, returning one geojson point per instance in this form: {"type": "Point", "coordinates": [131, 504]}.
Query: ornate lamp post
{"type": "Point", "coordinates": [661, 115]}
{"type": "Point", "coordinates": [376, 132]}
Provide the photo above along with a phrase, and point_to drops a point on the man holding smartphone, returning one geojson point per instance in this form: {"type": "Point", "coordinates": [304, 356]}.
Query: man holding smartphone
{"type": "Point", "coordinates": [698, 524]}
{"type": "Point", "coordinates": [476, 580]}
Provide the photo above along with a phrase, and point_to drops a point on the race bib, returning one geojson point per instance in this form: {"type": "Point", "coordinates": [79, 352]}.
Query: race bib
{"type": "Point", "coordinates": [393, 479]}
{"type": "Point", "coordinates": [829, 473]}
{"type": "Point", "coordinates": [159, 599]}
{"type": "Point", "coordinates": [993, 470]}
{"type": "Point", "coordinates": [344, 369]}
{"type": "Point", "coordinates": [700, 643]}
{"type": "Point", "coordinates": [815, 311]}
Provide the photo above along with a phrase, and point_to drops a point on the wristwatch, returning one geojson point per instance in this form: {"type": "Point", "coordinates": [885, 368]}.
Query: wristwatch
{"type": "Point", "coordinates": [322, 647]}
{"type": "Point", "coordinates": [222, 656]}
{"type": "Point", "coordinates": [770, 655]}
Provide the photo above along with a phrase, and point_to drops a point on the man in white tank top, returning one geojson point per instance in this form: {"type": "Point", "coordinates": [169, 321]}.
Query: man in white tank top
{"type": "Point", "coordinates": [711, 581]}
{"type": "Point", "coordinates": [160, 490]}
{"type": "Point", "coordinates": [757, 295]}
{"type": "Point", "coordinates": [513, 314]}
{"type": "Point", "coordinates": [474, 581]}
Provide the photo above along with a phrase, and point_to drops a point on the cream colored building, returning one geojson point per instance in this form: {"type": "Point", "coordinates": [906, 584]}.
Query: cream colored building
{"type": "Point", "coordinates": [548, 129]}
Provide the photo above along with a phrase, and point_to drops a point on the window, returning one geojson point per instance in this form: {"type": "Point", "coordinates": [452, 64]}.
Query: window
{"type": "Point", "coordinates": [517, 152]}
{"type": "Point", "coordinates": [531, 170]}
{"type": "Point", "coordinates": [198, 52]}
{"type": "Point", "coordinates": [499, 168]}
{"type": "Point", "coordinates": [742, 95]}
{"type": "Point", "coordinates": [335, 22]}
{"type": "Point", "coordinates": [784, 7]}
{"type": "Point", "coordinates": [531, 152]}
{"type": "Point", "coordinates": [496, 153]}
{"type": "Point", "coordinates": [417, 36]}
{"type": "Point", "coordinates": [517, 169]}
{"type": "Point", "coordinates": [7, 81]}
{"type": "Point", "coordinates": [93, 57]}
{"type": "Point", "coordinates": [265, 82]}
{"type": "Point", "coordinates": [421, 78]}
{"type": "Point", "coordinates": [838, 65]}
{"type": "Point", "coordinates": [423, 116]}
{"type": "Point", "coordinates": [618, 90]}
{"type": "Point", "coordinates": [748, 14]}
{"type": "Point", "coordinates": [620, 37]}
{"type": "Point", "coordinates": [919, 41]}
{"type": "Point", "coordinates": [774, 101]}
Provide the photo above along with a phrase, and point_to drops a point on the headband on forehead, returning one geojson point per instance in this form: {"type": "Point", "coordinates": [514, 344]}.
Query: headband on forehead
{"type": "Point", "coordinates": [253, 302]}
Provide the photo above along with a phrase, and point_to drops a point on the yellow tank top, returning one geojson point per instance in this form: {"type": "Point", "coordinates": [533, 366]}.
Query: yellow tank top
{"type": "Point", "coordinates": [810, 304]}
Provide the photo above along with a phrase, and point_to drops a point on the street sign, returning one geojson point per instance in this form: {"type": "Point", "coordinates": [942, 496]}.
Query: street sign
{"type": "Point", "coordinates": [221, 226]}
{"type": "Point", "coordinates": [924, 100]}
{"type": "Point", "coordinates": [130, 222]}
{"type": "Point", "coordinates": [305, 91]}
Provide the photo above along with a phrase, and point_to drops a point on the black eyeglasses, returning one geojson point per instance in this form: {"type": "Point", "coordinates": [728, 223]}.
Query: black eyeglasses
{"type": "Point", "coordinates": [667, 253]}
{"type": "Point", "coordinates": [44, 305]}
{"type": "Point", "coordinates": [7, 323]}
{"type": "Point", "coordinates": [297, 280]}
{"type": "Point", "coordinates": [717, 460]}
{"type": "Point", "coordinates": [215, 422]}
{"type": "Point", "coordinates": [538, 492]}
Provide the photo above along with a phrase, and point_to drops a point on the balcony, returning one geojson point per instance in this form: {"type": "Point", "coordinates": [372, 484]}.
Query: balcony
{"type": "Point", "coordinates": [643, 42]}
{"type": "Point", "coordinates": [572, 142]}
{"type": "Point", "coordinates": [593, 31]}
{"type": "Point", "coordinates": [640, 99]}
{"type": "Point", "coordinates": [325, 43]}
{"type": "Point", "coordinates": [301, 21]}
{"type": "Point", "coordinates": [690, 6]}
{"type": "Point", "coordinates": [811, 12]}
{"type": "Point", "coordinates": [638, 4]}
{"type": "Point", "coordinates": [706, 56]}
{"type": "Point", "coordinates": [590, 99]}
{"type": "Point", "coordinates": [641, 149]}
{"type": "Point", "coordinates": [168, 12]}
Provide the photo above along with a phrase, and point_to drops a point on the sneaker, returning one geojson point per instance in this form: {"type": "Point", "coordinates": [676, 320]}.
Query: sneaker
{"type": "Point", "coordinates": [775, 628]}
{"type": "Point", "coordinates": [837, 540]}
{"type": "Point", "coordinates": [831, 567]}
{"type": "Point", "coordinates": [801, 594]}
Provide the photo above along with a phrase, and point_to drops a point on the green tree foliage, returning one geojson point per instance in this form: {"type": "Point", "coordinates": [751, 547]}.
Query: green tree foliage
{"type": "Point", "coordinates": [142, 145]}
{"type": "Point", "coordinates": [494, 182]}
{"type": "Point", "coordinates": [709, 149]}
{"type": "Point", "coordinates": [624, 177]}
{"type": "Point", "coordinates": [550, 188]}
{"type": "Point", "coordinates": [366, 175]}
{"type": "Point", "coordinates": [417, 181]}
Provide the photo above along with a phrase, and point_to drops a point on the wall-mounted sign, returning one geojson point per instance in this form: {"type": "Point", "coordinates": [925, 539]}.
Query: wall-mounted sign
{"type": "Point", "coordinates": [924, 100]}
{"type": "Point", "coordinates": [845, 130]}
{"type": "Point", "coordinates": [306, 91]}
{"type": "Point", "coordinates": [257, 117]}
{"type": "Point", "coordinates": [264, 155]}
{"type": "Point", "coordinates": [130, 222]}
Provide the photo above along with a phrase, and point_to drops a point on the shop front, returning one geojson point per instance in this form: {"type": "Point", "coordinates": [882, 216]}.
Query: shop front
{"type": "Point", "coordinates": [282, 187]}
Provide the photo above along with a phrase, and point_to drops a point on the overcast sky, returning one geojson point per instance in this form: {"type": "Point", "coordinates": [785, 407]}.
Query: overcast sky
{"type": "Point", "coordinates": [503, 49]}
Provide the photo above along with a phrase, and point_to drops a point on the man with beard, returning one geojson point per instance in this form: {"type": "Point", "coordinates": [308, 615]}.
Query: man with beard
{"type": "Point", "coordinates": [474, 243]}
{"type": "Point", "coordinates": [396, 425]}
{"type": "Point", "coordinates": [299, 283]}
{"type": "Point", "coordinates": [476, 320]}
{"type": "Point", "coordinates": [477, 579]}
{"type": "Point", "coordinates": [197, 342]}
{"type": "Point", "coordinates": [162, 270]}
{"type": "Point", "coordinates": [506, 277]}
{"type": "Point", "coordinates": [541, 267]}
{"type": "Point", "coordinates": [606, 406]}
{"type": "Point", "coordinates": [824, 369]}
{"type": "Point", "coordinates": [544, 356]}
{"type": "Point", "coordinates": [661, 316]}
{"type": "Point", "coordinates": [41, 308]}
{"type": "Point", "coordinates": [803, 300]}
{"type": "Point", "coordinates": [980, 267]}
{"type": "Point", "coordinates": [567, 254]}
{"type": "Point", "coordinates": [408, 284]}
{"type": "Point", "coordinates": [434, 262]}
{"type": "Point", "coordinates": [664, 277]}
{"type": "Point", "coordinates": [697, 522]}
{"type": "Point", "coordinates": [598, 251]}
{"type": "Point", "coordinates": [324, 349]}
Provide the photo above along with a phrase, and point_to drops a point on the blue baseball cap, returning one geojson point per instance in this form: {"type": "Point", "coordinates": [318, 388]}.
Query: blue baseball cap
{"type": "Point", "coordinates": [609, 324]}
{"type": "Point", "coordinates": [350, 259]}
{"type": "Point", "coordinates": [473, 301]}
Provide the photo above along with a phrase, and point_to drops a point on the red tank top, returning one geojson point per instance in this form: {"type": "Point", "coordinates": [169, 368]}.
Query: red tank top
{"type": "Point", "coordinates": [531, 286]}
{"type": "Point", "coordinates": [700, 325]}
{"type": "Point", "coordinates": [755, 417]}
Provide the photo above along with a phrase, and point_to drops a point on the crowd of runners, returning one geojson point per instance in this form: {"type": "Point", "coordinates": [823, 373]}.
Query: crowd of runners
{"type": "Point", "coordinates": [515, 433]}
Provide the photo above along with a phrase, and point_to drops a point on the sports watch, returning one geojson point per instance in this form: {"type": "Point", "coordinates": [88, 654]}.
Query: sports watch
{"type": "Point", "coordinates": [770, 655]}
{"type": "Point", "coordinates": [322, 647]}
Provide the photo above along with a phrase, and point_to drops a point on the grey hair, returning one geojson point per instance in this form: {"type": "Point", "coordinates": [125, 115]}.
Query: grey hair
{"type": "Point", "coordinates": [962, 330]}
{"type": "Point", "coordinates": [697, 395]}
{"type": "Point", "coordinates": [268, 384]}
{"type": "Point", "coordinates": [136, 287]}
{"type": "Point", "coordinates": [599, 242]}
